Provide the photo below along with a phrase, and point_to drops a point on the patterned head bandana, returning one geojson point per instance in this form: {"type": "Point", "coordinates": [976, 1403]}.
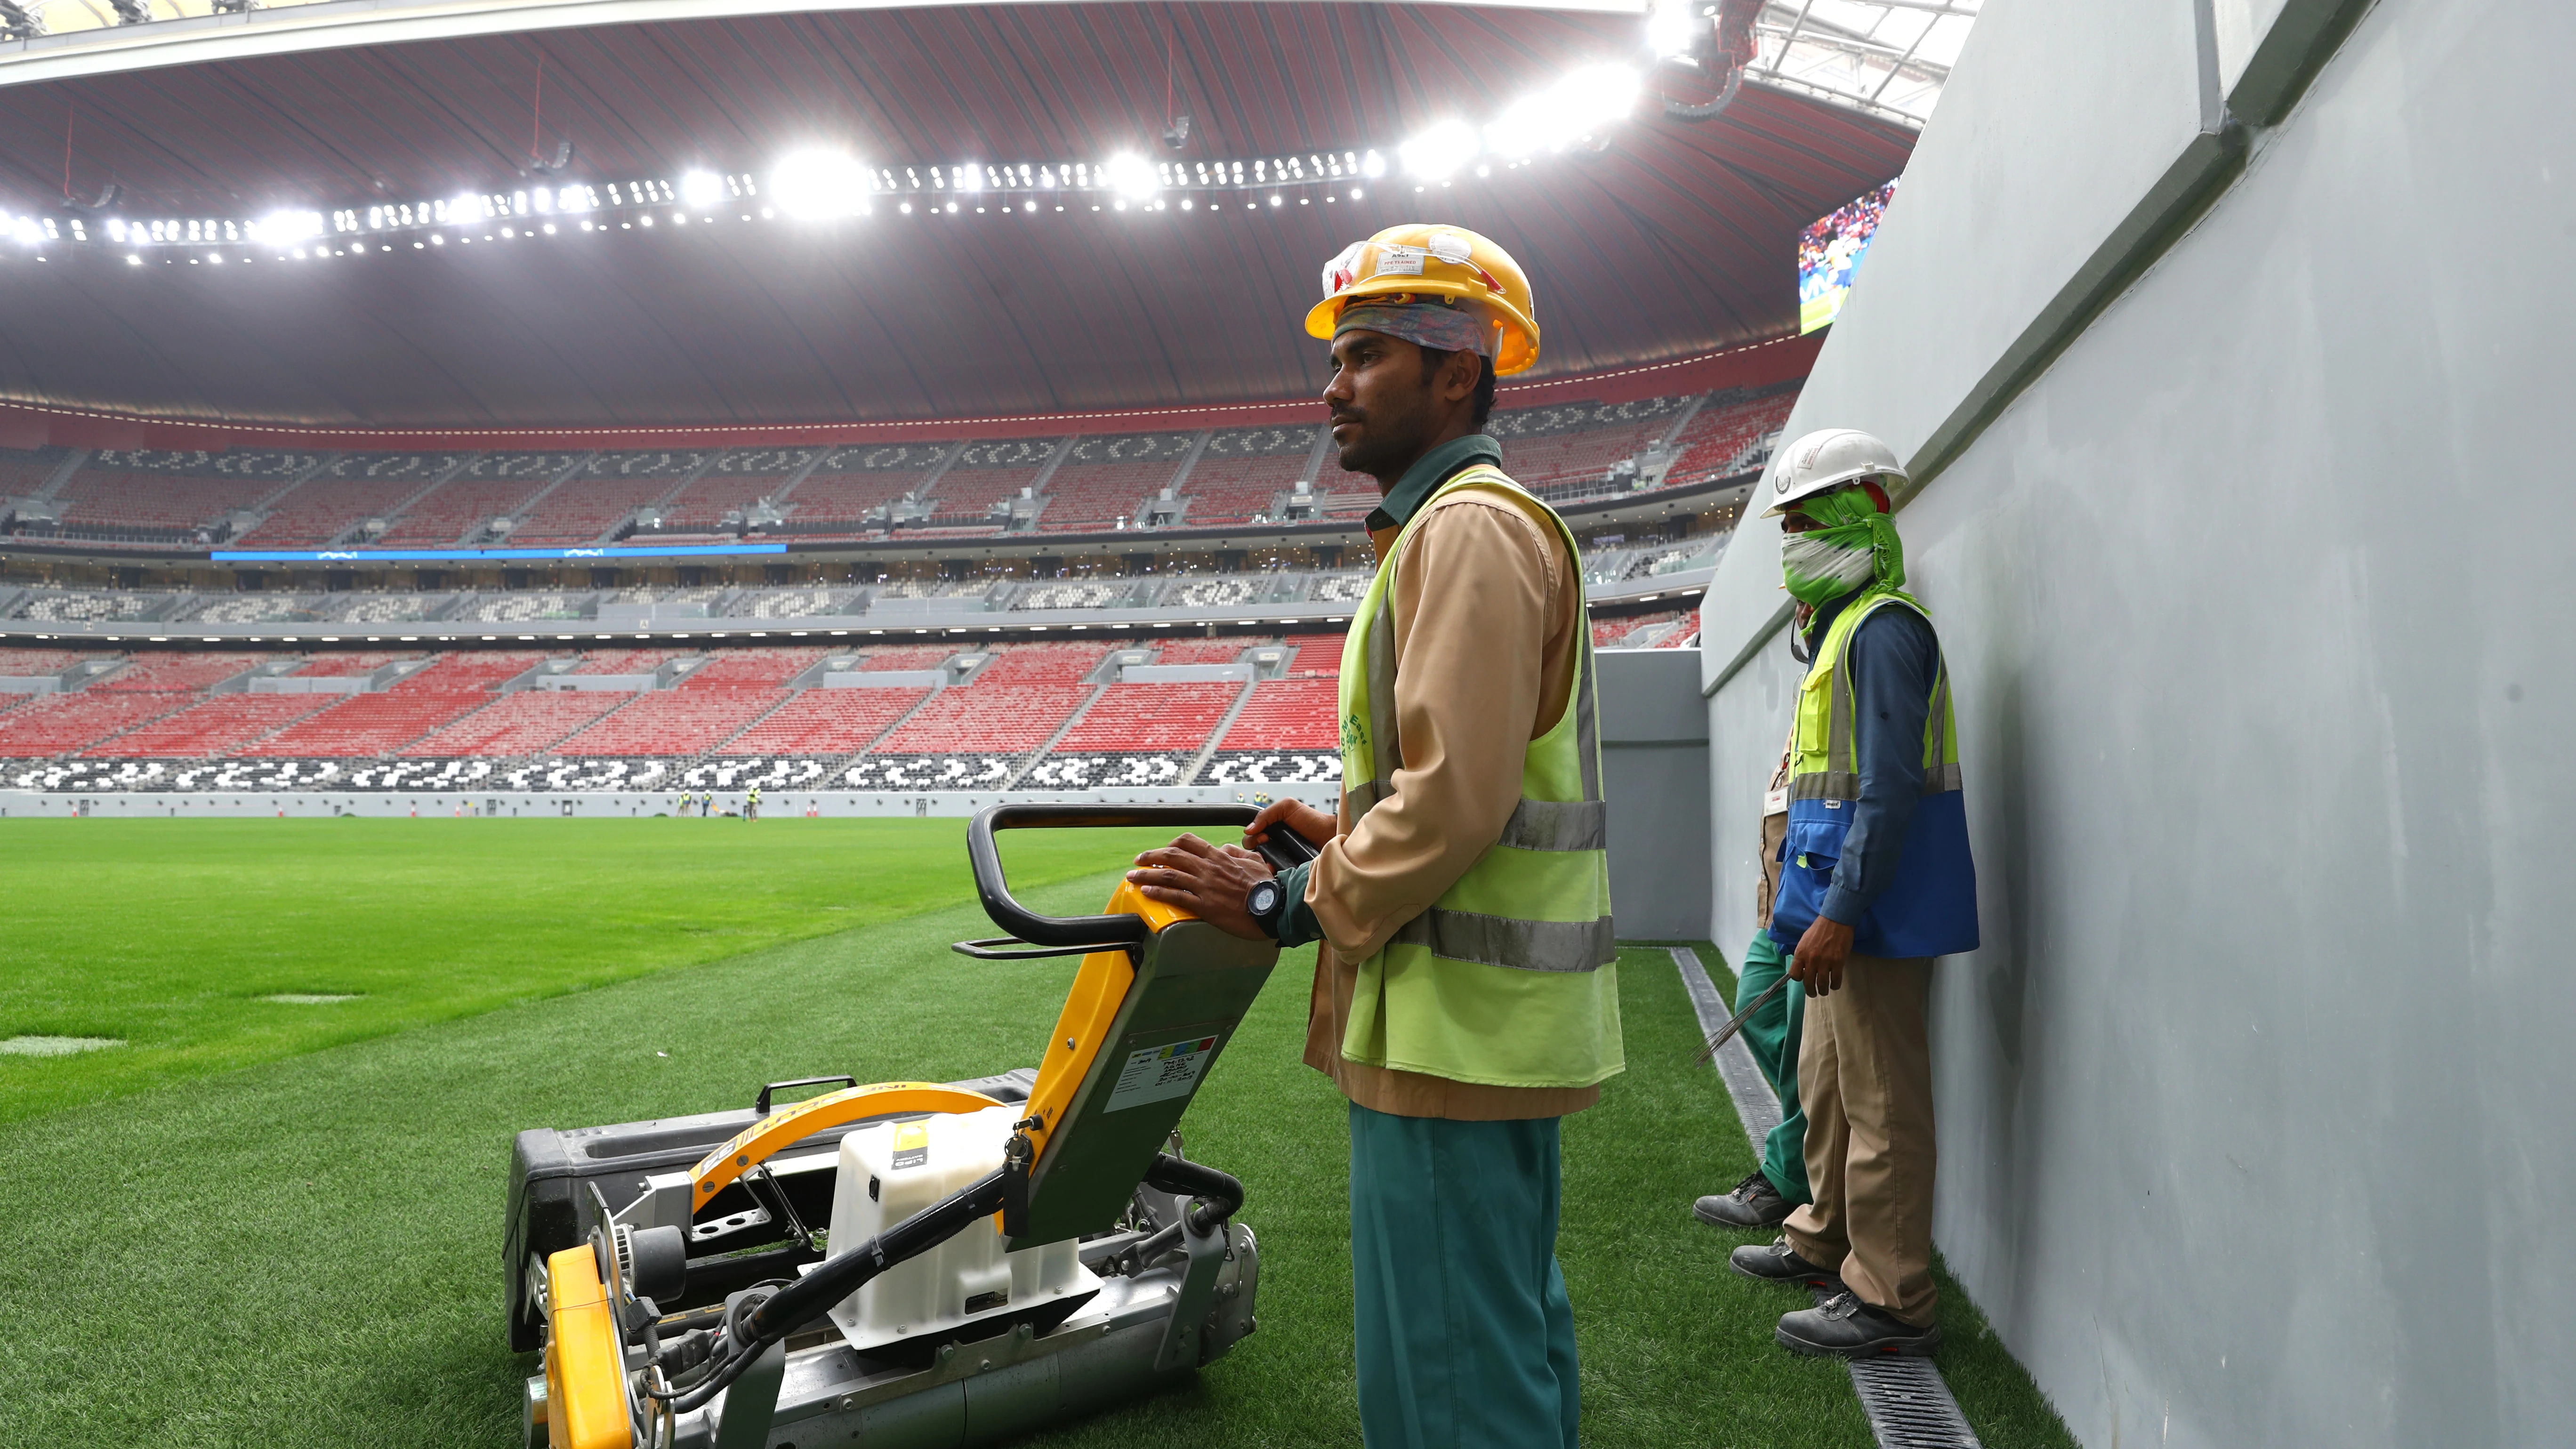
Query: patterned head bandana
{"type": "Point", "coordinates": [1851, 544]}
{"type": "Point", "coordinates": [1427, 321]}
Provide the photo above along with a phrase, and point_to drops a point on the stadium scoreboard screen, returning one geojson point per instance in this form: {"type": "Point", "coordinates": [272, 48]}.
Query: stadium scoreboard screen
{"type": "Point", "coordinates": [1829, 254]}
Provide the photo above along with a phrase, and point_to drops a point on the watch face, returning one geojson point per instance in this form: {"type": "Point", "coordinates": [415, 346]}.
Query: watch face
{"type": "Point", "coordinates": [1264, 898]}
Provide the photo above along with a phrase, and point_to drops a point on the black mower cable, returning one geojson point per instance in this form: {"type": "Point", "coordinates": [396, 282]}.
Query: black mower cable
{"type": "Point", "coordinates": [753, 1324]}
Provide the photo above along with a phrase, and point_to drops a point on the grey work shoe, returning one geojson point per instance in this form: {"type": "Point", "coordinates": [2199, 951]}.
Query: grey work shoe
{"type": "Point", "coordinates": [1778, 1263]}
{"type": "Point", "coordinates": [1844, 1327]}
{"type": "Point", "coordinates": [1752, 1203]}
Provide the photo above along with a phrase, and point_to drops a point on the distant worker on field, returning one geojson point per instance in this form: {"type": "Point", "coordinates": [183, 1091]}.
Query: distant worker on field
{"type": "Point", "coordinates": [1778, 1182]}
{"type": "Point", "coordinates": [1465, 996]}
{"type": "Point", "coordinates": [1875, 881]}
{"type": "Point", "coordinates": [751, 804]}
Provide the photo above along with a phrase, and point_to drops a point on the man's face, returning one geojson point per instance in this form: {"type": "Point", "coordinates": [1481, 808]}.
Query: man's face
{"type": "Point", "coordinates": [1385, 412]}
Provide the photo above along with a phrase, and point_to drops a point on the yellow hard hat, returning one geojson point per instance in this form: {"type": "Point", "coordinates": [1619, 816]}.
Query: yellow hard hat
{"type": "Point", "coordinates": [1426, 260]}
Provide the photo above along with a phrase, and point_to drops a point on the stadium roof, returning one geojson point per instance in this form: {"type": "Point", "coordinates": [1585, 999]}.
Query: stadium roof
{"type": "Point", "coordinates": [1676, 239]}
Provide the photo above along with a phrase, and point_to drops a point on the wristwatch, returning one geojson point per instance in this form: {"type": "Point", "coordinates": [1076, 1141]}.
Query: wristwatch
{"type": "Point", "coordinates": [1265, 902]}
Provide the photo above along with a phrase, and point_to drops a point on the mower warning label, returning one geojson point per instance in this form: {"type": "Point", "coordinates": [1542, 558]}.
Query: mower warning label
{"type": "Point", "coordinates": [1160, 1073]}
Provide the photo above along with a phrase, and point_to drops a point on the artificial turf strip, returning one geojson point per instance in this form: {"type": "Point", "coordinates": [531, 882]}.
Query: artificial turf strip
{"type": "Point", "coordinates": [172, 934]}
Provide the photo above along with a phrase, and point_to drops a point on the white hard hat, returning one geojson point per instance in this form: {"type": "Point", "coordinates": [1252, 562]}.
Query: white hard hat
{"type": "Point", "coordinates": [1825, 460]}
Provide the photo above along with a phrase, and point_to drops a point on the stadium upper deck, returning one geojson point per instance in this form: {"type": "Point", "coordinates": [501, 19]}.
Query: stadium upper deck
{"type": "Point", "coordinates": [1248, 710]}
{"type": "Point", "coordinates": [386, 506]}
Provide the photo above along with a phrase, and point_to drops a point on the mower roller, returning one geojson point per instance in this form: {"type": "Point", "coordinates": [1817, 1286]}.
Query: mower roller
{"type": "Point", "coordinates": [993, 1255]}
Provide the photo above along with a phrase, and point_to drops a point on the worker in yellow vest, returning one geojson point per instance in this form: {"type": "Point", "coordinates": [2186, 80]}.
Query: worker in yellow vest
{"type": "Point", "coordinates": [1875, 881]}
{"type": "Point", "coordinates": [1465, 996]}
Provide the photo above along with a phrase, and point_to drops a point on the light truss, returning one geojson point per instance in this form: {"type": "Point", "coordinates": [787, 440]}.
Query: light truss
{"type": "Point", "coordinates": [1883, 58]}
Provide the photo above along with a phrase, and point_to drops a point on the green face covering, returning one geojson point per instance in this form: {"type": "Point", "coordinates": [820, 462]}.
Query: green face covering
{"type": "Point", "coordinates": [1852, 544]}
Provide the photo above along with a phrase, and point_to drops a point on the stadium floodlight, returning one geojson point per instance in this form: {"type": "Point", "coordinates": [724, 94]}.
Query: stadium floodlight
{"type": "Point", "coordinates": [1672, 27]}
{"type": "Point", "coordinates": [966, 176]}
{"type": "Point", "coordinates": [1131, 175]}
{"type": "Point", "coordinates": [702, 189]}
{"type": "Point", "coordinates": [285, 228]}
{"type": "Point", "coordinates": [1438, 149]}
{"type": "Point", "coordinates": [1578, 107]}
{"type": "Point", "coordinates": [819, 183]}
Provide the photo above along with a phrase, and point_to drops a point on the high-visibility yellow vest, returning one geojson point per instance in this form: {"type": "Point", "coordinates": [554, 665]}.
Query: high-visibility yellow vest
{"type": "Point", "coordinates": [1509, 978]}
{"type": "Point", "coordinates": [1928, 906]}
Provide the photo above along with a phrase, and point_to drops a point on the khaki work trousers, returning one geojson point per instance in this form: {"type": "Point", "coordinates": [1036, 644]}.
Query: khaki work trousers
{"type": "Point", "coordinates": [1865, 1078]}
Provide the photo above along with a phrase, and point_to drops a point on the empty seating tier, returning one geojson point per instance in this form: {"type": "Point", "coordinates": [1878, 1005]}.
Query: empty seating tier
{"type": "Point", "coordinates": [1204, 651]}
{"type": "Point", "coordinates": [1151, 718]}
{"type": "Point", "coordinates": [626, 661]}
{"type": "Point", "coordinates": [344, 666]}
{"type": "Point", "coordinates": [518, 724]}
{"type": "Point", "coordinates": [674, 722]}
{"type": "Point", "coordinates": [988, 473]}
{"type": "Point", "coordinates": [40, 661]}
{"type": "Point", "coordinates": [177, 671]}
{"type": "Point", "coordinates": [450, 673]}
{"type": "Point", "coordinates": [1724, 432]}
{"type": "Point", "coordinates": [1042, 663]}
{"type": "Point", "coordinates": [987, 719]}
{"type": "Point", "coordinates": [1241, 470]}
{"type": "Point", "coordinates": [826, 722]}
{"type": "Point", "coordinates": [321, 509]}
{"type": "Point", "coordinates": [218, 726]}
{"type": "Point", "coordinates": [1289, 733]}
{"type": "Point", "coordinates": [59, 724]}
{"type": "Point", "coordinates": [1104, 481]}
{"type": "Point", "coordinates": [751, 668]}
{"type": "Point", "coordinates": [365, 726]}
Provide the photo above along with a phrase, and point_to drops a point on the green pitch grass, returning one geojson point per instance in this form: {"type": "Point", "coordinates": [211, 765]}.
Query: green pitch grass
{"type": "Point", "coordinates": [173, 935]}
{"type": "Point", "coordinates": [306, 1249]}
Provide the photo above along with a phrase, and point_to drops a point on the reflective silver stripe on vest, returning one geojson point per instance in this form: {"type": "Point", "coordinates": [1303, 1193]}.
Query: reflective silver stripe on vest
{"type": "Point", "coordinates": [1844, 785]}
{"type": "Point", "coordinates": [1557, 825]}
{"type": "Point", "coordinates": [1825, 785]}
{"type": "Point", "coordinates": [1519, 945]}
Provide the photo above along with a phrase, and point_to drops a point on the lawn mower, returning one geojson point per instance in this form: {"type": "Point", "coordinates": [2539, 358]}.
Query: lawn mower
{"type": "Point", "coordinates": [903, 1265]}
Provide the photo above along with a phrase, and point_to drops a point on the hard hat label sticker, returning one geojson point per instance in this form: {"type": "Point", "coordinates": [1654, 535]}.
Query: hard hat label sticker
{"type": "Point", "coordinates": [1160, 1073]}
{"type": "Point", "coordinates": [1400, 261]}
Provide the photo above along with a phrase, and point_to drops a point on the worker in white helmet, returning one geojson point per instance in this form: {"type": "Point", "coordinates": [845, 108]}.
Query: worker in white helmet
{"type": "Point", "coordinates": [1875, 881]}
{"type": "Point", "coordinates": [1465, 996]}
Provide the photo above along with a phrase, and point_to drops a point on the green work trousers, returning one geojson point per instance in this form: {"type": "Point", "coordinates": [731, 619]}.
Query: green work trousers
{"type": "Point", "coordinates": [1772, 1034]}
{"type": "Point", "coordinates": [1465, 1338]}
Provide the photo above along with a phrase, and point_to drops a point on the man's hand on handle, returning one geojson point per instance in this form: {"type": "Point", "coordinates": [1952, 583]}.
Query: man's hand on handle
{"type": "Point", "coordinates": [1209, 881]}
{"type": "Point", "coordinates": [1299, 818]}
{"type": "Point", "coordinates": [1817, 964]}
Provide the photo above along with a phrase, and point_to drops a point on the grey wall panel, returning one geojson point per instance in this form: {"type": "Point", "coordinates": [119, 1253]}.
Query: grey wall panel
{"type": "Point", "coordinates": [2059, 124]}
{"type": "Point", "coordinates": [1654, 764]}
{"type": "Point", "coordinates": [1745, 736]}
{"type": "Point", "coordinates": [2253, 1107]}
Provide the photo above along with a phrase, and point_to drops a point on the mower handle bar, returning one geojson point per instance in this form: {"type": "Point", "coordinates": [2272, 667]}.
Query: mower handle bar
{"type": "Point", "coordinates": [1283, 849]}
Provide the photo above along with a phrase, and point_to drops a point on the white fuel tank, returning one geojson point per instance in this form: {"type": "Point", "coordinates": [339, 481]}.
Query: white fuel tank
{"type": "Point", "coordinates": [891, 1171]}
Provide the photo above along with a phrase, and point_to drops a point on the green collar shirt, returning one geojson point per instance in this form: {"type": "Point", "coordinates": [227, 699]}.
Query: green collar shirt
{"type": "Point", "coordinates": [1427, 474]}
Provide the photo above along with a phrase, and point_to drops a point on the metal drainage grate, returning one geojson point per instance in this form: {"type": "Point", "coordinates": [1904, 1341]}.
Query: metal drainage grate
{"type": "Point", "coordinates": [1908, 1405]}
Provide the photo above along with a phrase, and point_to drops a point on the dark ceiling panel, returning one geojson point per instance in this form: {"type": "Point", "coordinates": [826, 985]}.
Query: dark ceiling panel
{"type": "Point", "coordinates": [1675, 241]}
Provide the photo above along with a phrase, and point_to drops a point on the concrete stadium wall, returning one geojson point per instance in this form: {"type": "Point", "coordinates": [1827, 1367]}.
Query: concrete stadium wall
{"type": "Point", "coordinates": [2238, 515]}
{"type": "Point", "coordinates": [1654, 774]}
